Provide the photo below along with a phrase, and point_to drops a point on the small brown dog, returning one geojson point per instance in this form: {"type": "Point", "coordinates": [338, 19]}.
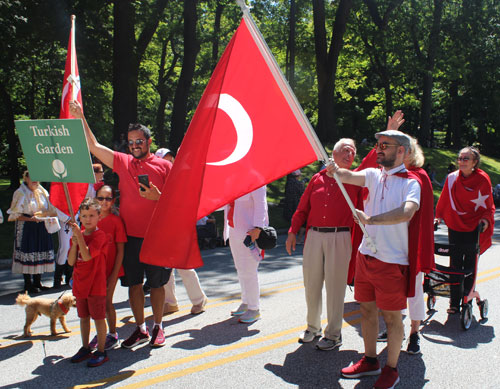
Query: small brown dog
{"type": "Point", "coordinates": [55, 309]}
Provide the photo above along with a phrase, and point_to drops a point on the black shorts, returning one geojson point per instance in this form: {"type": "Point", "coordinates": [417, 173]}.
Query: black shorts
{"type": "Point", "coordinates": [156, 276]}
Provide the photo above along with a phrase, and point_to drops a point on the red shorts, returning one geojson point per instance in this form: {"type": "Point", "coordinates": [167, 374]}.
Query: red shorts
{"type": "Point", "coordinates": [93, 306]}
{"type": "Point", "coordinates": [384, 283]}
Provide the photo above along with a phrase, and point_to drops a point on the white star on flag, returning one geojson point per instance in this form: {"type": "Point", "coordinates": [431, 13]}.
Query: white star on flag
{"type": "Point", "coordinates": [480, 201]}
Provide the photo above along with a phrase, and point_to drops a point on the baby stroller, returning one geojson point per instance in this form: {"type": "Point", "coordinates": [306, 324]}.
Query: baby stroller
{"type": "Point", "coordinates": [440, 280]}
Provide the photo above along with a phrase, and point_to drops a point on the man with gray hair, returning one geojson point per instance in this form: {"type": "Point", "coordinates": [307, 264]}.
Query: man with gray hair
{"type": "Point", "coordinates": [383, 279]}
{"type": "Point", "coordinates": [327, 249]}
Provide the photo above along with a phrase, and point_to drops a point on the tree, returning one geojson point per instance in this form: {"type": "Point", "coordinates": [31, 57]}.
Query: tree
{"type": "Point", "coordinates": [427, 61]}
{"type": "Point", "coordinates": [127, 56]}
{"type": "Point", "coordinates": [191, 49]}
{"type": "Point", "coordinates": [326, 63]}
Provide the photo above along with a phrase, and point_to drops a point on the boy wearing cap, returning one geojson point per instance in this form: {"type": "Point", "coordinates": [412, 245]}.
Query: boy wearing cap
{"type": "Point", "coordinates": [383, 279]}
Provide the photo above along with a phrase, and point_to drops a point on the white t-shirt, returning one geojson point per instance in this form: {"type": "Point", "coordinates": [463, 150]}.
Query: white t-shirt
{"type": "Point", "coordinates": [387, 192]}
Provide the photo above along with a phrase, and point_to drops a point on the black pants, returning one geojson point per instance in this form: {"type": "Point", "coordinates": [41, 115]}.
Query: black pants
{"type": "Point", "coordinates": [466, 260]}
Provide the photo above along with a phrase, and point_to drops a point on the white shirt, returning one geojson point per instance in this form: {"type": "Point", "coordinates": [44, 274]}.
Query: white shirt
{"type": "Point", "coordinates": [250, 211]}
{"type": "Point", "coordinates": [387, 192]}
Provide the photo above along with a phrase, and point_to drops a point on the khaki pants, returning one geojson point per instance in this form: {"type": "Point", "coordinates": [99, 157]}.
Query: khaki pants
{"type": "Point", "coordinates": [326, 259]}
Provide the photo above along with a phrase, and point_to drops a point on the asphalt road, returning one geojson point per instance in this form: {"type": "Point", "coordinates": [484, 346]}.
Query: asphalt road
{"type": "Point", "coordinates": [213, 350]}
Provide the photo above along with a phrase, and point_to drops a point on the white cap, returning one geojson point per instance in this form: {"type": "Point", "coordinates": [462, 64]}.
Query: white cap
{"type": "Point", "coordinates": [160, 153]}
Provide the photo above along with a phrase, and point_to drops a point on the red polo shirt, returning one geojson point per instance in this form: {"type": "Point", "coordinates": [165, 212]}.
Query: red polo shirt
{"type": "Point", "coordinates": [323, 205]}
{"type": "Point", "coordinates": [135, 210]}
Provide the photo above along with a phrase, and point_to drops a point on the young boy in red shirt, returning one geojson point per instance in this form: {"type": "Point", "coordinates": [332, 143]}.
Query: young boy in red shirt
{"type": "Point", "coordinates": [88, 256]}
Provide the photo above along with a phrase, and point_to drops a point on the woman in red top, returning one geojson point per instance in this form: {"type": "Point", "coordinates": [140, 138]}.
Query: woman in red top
{"type": "Point", "coordinates": [465, 202]}
{"type": "Point", "coordinates": [113, 226]}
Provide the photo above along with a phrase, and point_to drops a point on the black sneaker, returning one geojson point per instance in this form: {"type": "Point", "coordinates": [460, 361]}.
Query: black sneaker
{"type": "Point", "coordinates": [98, 358]}
{"type": "Point", "coordinates": [81, 355]}
{"type": "Point", "coordinates": [413, 344]}
{"type": "Point", "coordinates": [136, 338]}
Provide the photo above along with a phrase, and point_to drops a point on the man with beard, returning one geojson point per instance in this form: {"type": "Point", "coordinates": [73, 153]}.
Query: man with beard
{"type": "Point", "coordinates": [384, 279]}
{"type": "Point", "coordinates": [137, 202]}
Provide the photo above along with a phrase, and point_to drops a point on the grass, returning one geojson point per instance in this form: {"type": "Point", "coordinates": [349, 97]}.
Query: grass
{"type": "Point", "coordinates": [439, 158]}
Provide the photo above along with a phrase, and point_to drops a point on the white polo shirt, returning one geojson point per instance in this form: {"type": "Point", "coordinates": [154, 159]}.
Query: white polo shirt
{"type": "Point", "coordinates": [387, 192]}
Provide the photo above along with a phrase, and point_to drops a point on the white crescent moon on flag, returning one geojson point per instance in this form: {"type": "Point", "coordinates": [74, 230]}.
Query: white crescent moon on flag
{"type": "Point", "coordinates": [242, 125]}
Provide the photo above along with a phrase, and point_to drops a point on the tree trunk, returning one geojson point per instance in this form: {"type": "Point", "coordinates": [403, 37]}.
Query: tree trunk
{"type": "Point", "coordinates": [290, 63]}
{"type": "Point", "coordinates": [427, 132]}
{"type": "Point", "coordinates": [191, 49]}
{"type": "Point", "coordinates": [127, 55]}
{"type": "Point", "coordinates": [215, 39]}
{"type": "Point", "coordinates": [453, 132]}
{"type": "Point", "coordinates": [13, 148]}
{"type": "Point", "coordinates": [326, 64]}
{"type": "Point", "coordinates": [164, 91]}
{"type": "Point", "coordinates": [124, 67]}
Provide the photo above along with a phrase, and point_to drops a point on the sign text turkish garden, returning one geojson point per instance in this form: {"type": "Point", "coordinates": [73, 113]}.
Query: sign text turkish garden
{"type": "Point", "coordinates": [56, 150]}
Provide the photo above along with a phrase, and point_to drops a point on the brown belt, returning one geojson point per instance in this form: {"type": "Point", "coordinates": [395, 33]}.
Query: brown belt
{"type": "Point", "coordinates": [330, 229]}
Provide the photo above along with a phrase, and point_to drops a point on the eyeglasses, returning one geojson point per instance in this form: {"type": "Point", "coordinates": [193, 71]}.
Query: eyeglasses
{"type": "Point", "coordinates": [385, 145]}
{"type": "Point", "coordinates": [465, 159]}
{"type": "Point", "coordinates": [98, 171]}
{"type": "Point", "coordinates": [137, 142]}
{"type": "Point", "coordinates": [104, 198]}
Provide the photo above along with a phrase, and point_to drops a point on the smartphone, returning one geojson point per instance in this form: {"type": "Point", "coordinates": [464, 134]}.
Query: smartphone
{"type": "Point", "coordinates": [248, 241]}
{"type": "Point", "coordinates": [144, 180]}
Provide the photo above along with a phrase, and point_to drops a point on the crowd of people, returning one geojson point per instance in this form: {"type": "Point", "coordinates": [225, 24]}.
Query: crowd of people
{"type": "Point", "coordinates": [393, 197]}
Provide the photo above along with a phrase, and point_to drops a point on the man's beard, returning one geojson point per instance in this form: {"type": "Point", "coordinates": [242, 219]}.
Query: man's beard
{"type": "Point", "coordinates": [387, 161]}
{"type": "Point", "coordinates": [141, 155]}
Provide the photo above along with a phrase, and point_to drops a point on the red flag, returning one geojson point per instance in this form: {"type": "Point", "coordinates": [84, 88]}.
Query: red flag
{"type": "Point", "coordinates": [71, 91]}
{"type": "Point", "coordinates": [247, 131]}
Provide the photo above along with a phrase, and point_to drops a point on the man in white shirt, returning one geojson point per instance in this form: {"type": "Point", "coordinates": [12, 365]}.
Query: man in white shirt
{"type": "Point", "coordinates": [381, 280]}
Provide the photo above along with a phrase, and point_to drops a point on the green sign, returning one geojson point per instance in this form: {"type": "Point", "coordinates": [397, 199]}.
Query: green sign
{"type": "Point", "coordinates": [56, 150]}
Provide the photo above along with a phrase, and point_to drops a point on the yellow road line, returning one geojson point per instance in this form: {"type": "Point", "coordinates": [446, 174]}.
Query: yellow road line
{"type": "Point", "coordinates": [222, 301]}
{"type": "Point", "coordinates": [211, 353]}
{"type": "Point", "coordinates": [219, 362]}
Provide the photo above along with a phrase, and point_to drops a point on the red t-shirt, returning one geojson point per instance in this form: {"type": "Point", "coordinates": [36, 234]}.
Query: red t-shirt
{"type": "Point", "coordinates": [89, 277]}
{"type": "Point", "coordinates": [135, 210]}
{"type": "Point", "coordinates": [113, 226]}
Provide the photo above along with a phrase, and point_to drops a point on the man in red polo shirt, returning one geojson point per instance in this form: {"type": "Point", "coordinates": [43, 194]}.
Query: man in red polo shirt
{"type": "Point", "coordinates": [327, 249]}
{"type": "Point", "coordinates": [137, 203]}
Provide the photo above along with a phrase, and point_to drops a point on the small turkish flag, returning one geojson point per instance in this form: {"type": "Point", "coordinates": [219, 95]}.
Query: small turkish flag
{"type": "Point", "coordinates": [247, 131]}
{"type": "Point", "coordinates": [71, 91]}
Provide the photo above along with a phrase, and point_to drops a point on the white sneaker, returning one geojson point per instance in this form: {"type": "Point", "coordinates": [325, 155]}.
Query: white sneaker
{"type": "Point", "coordinates": [240, 310]}
{"type": "Point", "coordinates": [329, 344]}
{"type": "Point", "coordinates": [309, 336]}
{"type": "Point", "coordinates": [250, 316]}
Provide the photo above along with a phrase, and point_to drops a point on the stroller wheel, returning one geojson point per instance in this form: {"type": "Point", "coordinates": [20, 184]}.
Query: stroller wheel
{"type": "Point", "coordinates": [466, 316]}
{"type": "Point", "coordinates": [431, 302]}
{"type": "Point", "coordinates": [483, 308]}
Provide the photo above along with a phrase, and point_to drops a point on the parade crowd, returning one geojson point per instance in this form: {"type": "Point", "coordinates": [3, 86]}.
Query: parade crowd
{"type": "Point", "coordinates": [393, 199]}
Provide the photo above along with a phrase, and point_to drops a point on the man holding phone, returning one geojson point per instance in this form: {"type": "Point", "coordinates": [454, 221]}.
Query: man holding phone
{"type": "Point", "coordinates": [141, 175]}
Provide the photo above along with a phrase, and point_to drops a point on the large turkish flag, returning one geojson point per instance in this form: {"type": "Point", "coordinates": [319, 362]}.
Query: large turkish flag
{"type": "Point", "coordinates": [247, 131]}
{"type": "Point", "coordinates": [71, 91]}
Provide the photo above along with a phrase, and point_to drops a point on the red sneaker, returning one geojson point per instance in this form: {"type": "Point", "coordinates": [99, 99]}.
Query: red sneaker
{"type": "Point", "coordinates": [158, 338]}
{"type": "Point", "coordinates": [388, 379]}
{"type": "Point", "coordinates": [361, 368]}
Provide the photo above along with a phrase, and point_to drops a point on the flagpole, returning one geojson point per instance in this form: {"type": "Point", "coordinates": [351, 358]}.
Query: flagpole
{"type": "Point", "coordinates": [72, 59]}
{"type": "Point", "coordinates": [72, 80]}
{"type": "Point", "coordinates": [297, 109]}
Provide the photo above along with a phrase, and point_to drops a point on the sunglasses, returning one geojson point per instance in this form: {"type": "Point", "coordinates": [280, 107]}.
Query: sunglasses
{"type": "Point", "coordinates": [385, 145]}
{"type": "Point", "coordinates": [98, 171]}
{"type": "Point", "coordinates": [104, 198]}
{"type": "Point", "coordinates": [137, 142]}
{"type": "Point", "coordinates": [465, 159]}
